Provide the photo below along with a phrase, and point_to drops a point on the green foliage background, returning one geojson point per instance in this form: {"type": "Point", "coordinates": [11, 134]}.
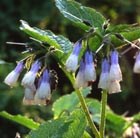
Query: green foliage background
{"type": "Point", "coordinates": [45, 15]}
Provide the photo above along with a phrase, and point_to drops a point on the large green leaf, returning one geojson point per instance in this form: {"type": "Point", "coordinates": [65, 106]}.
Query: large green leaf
{"type": "Point", "coordinates": [23, 120]}
{"type": "Point", "coordinates": [67, 103]}
{"type": "Point", "coordinates": [122, 28]}
{"type": "Point", "coordinates": [94, 107]}
{"type": "Point", "coordinates": [77, 127]}
{"type": "Point", "coordinates": [130, 35]}
{"type": "Point", "coordinates": [51, 129]}
{"type": "Point", "coordinates": [79, 14]}
{"type": "Point", "coordinates": [115, 124]}
{"type": "Point", "coordinates": [72, 126]}
{"type": "Point", "coordinates": [47, 36]}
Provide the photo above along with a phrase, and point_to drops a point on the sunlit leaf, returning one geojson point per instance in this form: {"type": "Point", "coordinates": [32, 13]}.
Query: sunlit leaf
{"type": "Point", "coordinates": [67, 103]}
{"type": "Point", "coordinates": [51, 129]}
{"type": "Point", "coordinates": [72, 126]}
{"type": "Point", "coordinates": [47, 36]}
{"type": "Point", "coordinates": [79, 14]}
{"type": "Point", "coordinates": [23, 120]}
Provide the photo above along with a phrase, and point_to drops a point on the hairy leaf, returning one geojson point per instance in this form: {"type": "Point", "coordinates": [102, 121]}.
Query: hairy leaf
{"type": "Point", "coordinates": [51, 129]}
{"type": "Point", "coordinates": [79, 14]}
{"type": "Point", "coordinates": [77, 127]}
{"type": "Point", "coordinates": [72, 126]}
{"type": "Point", "coordinates": [23, 120]}
{"type": "Point", "coordinates": [115, 123]}
{"type": "Point", "coordinates": [67, 103]}
{"type": "Point", "coordinates": [47, 36]}
{"type": "Point", "coordinates": [131, 36]}
{"type": "Point", "coordinates": [122, 28]}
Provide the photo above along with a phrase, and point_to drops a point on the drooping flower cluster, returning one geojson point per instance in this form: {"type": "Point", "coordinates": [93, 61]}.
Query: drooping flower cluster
{"type": "Point", "coordinates": [37, 83]}
{"type": "Point", "coordinates": [111, 73]}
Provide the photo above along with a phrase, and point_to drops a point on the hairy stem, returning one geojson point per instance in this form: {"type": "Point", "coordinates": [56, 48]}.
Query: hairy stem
{"type": "Point", "coordinates": [103, 113]}
{"type": "Point", "coordinates": [85, 109]}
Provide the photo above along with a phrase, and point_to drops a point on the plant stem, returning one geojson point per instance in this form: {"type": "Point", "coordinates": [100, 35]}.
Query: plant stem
{"type": "Point", "coordinates": [85, 108]}
{"type": "Point", "coordinates": [103, 113]}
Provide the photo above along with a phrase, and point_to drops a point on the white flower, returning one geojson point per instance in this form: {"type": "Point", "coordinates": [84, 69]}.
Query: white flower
{"type": "Point", "coordinates": [80, 78]}
{"type": "Point", "coordinates": [90, 73]}
{"type": "Point", "coordinates": [136, 68]}
{"type": "Point", "coordinates": [28, 96]}
{"type": "Point", "coordinates": [11, 78]}
{"type": "Point", "coordinates": [43, 93]}
{"type": "Point", "coordinates": [115, 73]}
{"type": "Point", "coordinates": [104, 77]}
{"type": "Point", "coordinates": [28, 80]}
{"type": "Point", "coordinates": [72, 63]}
{"type": "Point", "coordinates": [104, 81]}
{"type": "Point", "coordinates": [114, 87]}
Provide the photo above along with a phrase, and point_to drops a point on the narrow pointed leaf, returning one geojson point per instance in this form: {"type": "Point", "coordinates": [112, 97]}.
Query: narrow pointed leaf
{"type": "Point", "coordinates": [23, 120]}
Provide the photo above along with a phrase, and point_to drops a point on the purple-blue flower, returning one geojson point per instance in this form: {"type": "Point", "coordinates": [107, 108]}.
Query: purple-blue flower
{"type": "Point", "coordinates": [136, 68]}
{"type": "Point", "coordinates": [43, 91]}
{"type": "Point", "coordinates": [80, 78]}
{"type": "Point", "coordinates": [104, 77]}
{"type": "Point", "coordinates": [115, 71]}
{"type": "Point", "coordinates": [13, 76]}
{"type": "Point", "coordinates": [29, 78]}
{"type": "Point", "coordinates": [90, 73]}
{"type": "Point", "coordinates": [72, 61]}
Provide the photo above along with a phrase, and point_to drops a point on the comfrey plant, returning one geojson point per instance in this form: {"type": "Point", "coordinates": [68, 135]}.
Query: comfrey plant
{"type": "Point", "coordinates": [95, 55]}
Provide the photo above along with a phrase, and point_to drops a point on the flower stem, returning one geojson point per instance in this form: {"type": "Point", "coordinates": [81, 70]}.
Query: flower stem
{"type": "Point", "coordinates": [103, 113]}
{"type": "Point", "coordinates": [85, 108]}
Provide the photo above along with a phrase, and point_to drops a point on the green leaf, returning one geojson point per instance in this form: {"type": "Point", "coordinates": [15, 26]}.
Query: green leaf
{"type": "Point", "coordinates": [115, 123]}
{"type": "Point", "coordinates": [130, 122]}
{"type": "Point", "coordinates": [94, 107]}
{"type": "Point", "coordinates": [29, 123]}
{"type": "Point", "coordinates": [131, 36]}
{"type": "Point", "coordinates": [121, 28]}
{"type": "Point", "coordinates": [86, 135]}
{"type": "Point", "coordinates": [59, 41]}
{"type": "Point", "coordinates": [79, 14]}
{"type": "Point", "coordinates": [72, 126]}
{"type": "Point", "coordinates": [136, 117]}
{"type": "Point", "coordinates": [67, 103]}
{"type": "Point", "coordinates": [77, 127]}
{"type": "Point", "coordinates": [51, 129]}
